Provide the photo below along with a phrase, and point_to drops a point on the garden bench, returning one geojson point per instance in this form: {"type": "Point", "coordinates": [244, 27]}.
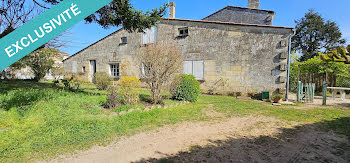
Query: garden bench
{"type": "Point", "coordinates": [341, 90]}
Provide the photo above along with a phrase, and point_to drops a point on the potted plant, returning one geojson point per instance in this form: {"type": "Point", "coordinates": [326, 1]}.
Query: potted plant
{"type": "Point", "coordinates": [277, 98]}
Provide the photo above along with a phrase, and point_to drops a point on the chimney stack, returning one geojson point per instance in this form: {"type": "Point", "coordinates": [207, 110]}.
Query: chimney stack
{"type": "Point", "coordinates": [172, 10]}
{"type": "Point", "coordinates": [254, 4]}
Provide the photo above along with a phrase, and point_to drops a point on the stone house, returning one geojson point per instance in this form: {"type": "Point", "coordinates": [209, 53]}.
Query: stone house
{"type": "Point", "coordinates": [233, 50]}
{"type": "Point", "coordinates": [27, 73]}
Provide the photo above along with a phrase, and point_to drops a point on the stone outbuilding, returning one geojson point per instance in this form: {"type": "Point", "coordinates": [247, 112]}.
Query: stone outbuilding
{"type": "Point", "coordinates": [26, 73]}
{"type": "Point", "coordinates": [233, 50]}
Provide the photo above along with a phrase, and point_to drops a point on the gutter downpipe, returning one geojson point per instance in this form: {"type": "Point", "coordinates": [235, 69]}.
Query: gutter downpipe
{"type": "Point", "coordinates": [288, 72]}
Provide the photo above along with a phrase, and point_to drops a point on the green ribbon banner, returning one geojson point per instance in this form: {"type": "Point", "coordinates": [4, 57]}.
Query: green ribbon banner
{"type": "Point", "coordinates": [45, 27]}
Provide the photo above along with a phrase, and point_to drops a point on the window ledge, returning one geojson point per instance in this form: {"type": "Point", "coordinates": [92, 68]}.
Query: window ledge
{"type": "Point", "coordinates": [200, 80]}
{"type": "Point", "coordinates": [115, 78]}
{"type": "Point", "coordinates": [182, 36]}
{"type": "Point", "coordinates": [148, 44]}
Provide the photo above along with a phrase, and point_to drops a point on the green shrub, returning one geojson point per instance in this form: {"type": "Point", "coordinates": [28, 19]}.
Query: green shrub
{"type": "Point", "coordinates": [112, 97]}
{"type": "Point", "coordinates": [129, 90]}
{"type": "Point", "coordinates": [277, 96]}
{"type": "Point", "coordinates": [102, 80]}
{"type": "Point", "coordinates": [71, 82]}
{"type": "Point", "coordinates": [175, 84]}
{"type": "Point", "coordinates": [188, 89]}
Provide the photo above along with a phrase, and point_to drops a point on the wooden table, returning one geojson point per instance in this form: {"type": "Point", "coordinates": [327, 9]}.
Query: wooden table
{"type": "Point", "coordinates": [341, 90]}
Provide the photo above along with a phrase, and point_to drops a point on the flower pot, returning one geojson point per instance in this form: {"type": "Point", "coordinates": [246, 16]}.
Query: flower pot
{"type": "Point", "coordinates": [276, 100]}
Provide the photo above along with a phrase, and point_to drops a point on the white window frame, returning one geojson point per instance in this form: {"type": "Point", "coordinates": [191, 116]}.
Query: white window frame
{"type": "Point", "coordinates": [114, 70]}
{"type": "Point", "coordinates": [189, 68]}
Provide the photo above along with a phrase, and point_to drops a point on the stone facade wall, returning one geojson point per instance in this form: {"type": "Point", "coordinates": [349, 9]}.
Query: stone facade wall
{"type": "Point", "coordinates": [242, 15]}
{"type": "Point", "coordinates": [108, 51]}
{"type": "Point", "coordinates": [236, 58]}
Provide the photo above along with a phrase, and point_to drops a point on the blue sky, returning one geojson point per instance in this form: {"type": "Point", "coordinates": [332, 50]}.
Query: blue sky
{"type": "Point", "coordinates": [287, 11]}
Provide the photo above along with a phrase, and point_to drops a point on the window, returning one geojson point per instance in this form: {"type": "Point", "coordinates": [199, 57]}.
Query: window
{"type": "Point", "coordinates": [195, 68]}
{"type": "Point", "coordinates": [114, 70]}
{"type": "Point", "coordinates": [149, 36]}
{"type": "Point", "coordinates": [146, 69]}
{"type": "Point", "coordinates": [124, 40]}
{"type": "Point", "coordinates": [84, 69]}
{"type": "Point", "coordinates": [183, 32]}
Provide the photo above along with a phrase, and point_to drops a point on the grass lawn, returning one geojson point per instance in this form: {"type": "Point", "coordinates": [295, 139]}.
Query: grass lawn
{"type": "Point", "coordinates": [41, 121]}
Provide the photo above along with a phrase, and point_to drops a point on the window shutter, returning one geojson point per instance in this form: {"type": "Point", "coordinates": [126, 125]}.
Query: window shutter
{"type": "Point", "coordinates": [198, 69]}
{"type": "Point", "coordinates": [154, 34]}
{"type": "Point", "coordinates": [110, 70]}
{"type": "Point", "coordinates": [143, 70]}
{"type": "Point", "coordinates": [150, 35]}
{"type": "Point", "coordinates": [145, 38]}
{"type": "Point", "coordinates": [188, 67]}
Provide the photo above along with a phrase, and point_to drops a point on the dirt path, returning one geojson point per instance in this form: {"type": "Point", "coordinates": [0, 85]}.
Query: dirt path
{"type": "Point", "coordinates": [248, 139]}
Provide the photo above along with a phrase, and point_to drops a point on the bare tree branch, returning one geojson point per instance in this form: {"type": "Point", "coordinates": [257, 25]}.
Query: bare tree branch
{"type": "Point", "coordinates": [159, 64]}
{"type": "Point", "coordinates": [40, 5]}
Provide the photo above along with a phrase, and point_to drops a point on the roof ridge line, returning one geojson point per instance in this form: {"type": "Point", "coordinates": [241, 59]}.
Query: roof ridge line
{"type": "Point", "coordinates": [228, 6]}
{"type": "Point", "coordinates": [230, 23]}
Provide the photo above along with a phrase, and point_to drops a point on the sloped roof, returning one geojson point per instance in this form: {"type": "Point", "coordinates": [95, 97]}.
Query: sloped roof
{"type": "Point", "coordinates": [269, 11]}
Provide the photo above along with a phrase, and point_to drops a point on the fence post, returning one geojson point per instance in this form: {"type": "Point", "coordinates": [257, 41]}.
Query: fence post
{"type": "Point", "coordinates": [324, 102]}
{"type": "Point", "coordinates": [307, 92]}
{"type": "Point", "coordinates": [300, 92]}
{"type": "Point", "coordinates": [313, 92]}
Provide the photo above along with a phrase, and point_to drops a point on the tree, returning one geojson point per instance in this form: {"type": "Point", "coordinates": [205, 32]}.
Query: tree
{"type": "Point", "coordinates": [315, 70]}
{"type": "Point", "coordinates": [314, 34]}
{"type": "Point", "coordinates": [294, 69]}
{"type": "Point", "coordinates": [120, 12]}
{"type": "Point", "coordinates": [41, 61]}
{"type": "Point", "coordinates": [57, 72]}
{"type": "Point", "coordinates": [158, 64]}
{"type": "Point", "coordinates": [14, 13]}
{"type": "Point", "coordinates": [339, 54]}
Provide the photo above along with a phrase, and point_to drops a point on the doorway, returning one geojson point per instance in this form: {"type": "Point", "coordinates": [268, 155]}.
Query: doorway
{"type": "Point", "coordinates": [93, 68]}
